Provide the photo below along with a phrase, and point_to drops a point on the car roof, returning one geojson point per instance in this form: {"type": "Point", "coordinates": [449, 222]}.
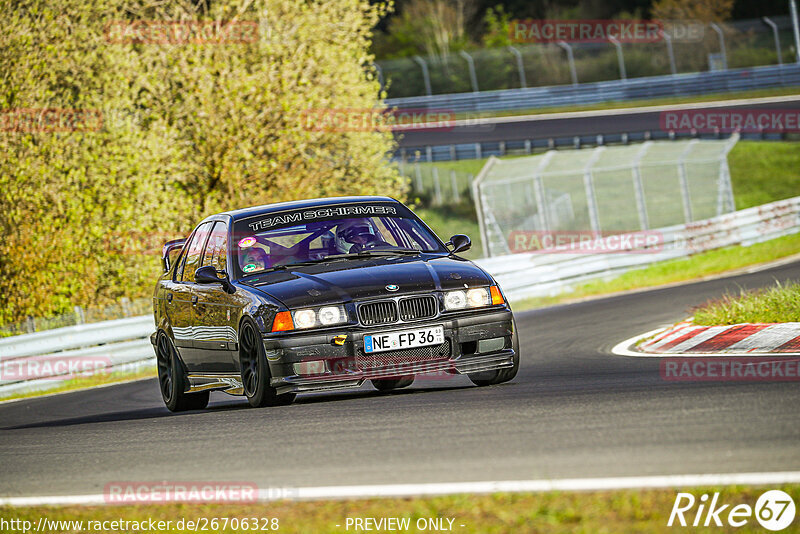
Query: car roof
{"type": "Point", "coordinates": [300, 204]}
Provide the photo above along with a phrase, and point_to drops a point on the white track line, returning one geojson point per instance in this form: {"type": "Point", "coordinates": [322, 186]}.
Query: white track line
{"type": "Point", "coordinates": [623, 348]}
{"type": "Point", "coordinates": [448, 488]}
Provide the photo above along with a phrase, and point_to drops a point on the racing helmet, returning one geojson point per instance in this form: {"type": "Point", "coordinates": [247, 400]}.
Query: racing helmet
{"type": "Point", "coordinates": [354, 232]}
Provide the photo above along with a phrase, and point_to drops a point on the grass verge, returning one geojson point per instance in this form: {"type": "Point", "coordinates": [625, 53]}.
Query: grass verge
{"type": "Point", "coordinates": [85, 382]}
{"type": "Point", "coordinates": [594, 512]}
{"type": "Point", "coordinates": [678, 270]}
{"type": "Point", "coordinates": [456, 219]}
{"type": "Point", "coordinates": [777, 304]}
{"type": "Point", "coordinates": [764, 171]}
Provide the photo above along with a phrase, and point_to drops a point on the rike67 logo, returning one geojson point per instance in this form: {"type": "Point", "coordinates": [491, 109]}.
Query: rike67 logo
{"type": "Point", "coordinates": [774, 510]}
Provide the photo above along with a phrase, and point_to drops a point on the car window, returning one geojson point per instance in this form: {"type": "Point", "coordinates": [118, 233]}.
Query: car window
{"type": "Point", "coordinates": [191, 260]}
{"type": "Point", "coordinates": [216, 249]}
{"type": "Point", "coordinates": [312, 235]}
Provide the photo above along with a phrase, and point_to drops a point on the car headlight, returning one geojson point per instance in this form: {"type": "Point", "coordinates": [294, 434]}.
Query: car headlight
{"type": "Point", "coordinates": [472, 298]}
{"type": "Point", "coordinates": [304, 318]}
{"type": "Point", "coordinates": [455, 300]}
{"type": "Point", "coordinates": [478, 297]}
{"type": "Point", "coordinates": [330, 315]}
{"type": "Point", "coordinates": [324, 316]}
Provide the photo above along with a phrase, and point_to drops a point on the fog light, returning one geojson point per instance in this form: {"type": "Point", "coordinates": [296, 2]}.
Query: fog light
{"type": "Point", "coordinates": [313, 367]}
{"type": "Point", "coordinates": [491, 345]}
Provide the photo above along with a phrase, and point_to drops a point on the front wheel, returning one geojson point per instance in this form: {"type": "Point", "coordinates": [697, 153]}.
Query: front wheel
{"type": "Point", "coordinates": [498, 376]}
{"type": "Point", "coordinates": [388, 384]}
{"type": "Point", "coordinates": [255, 370]}
{"type": "Point", "coordinates": [172, 379]}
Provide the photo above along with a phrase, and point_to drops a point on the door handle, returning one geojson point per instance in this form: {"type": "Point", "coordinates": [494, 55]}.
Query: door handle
{"type": "Point", "coordinates": [169, 297]}
{"type": "Point", "coordinates": [194, 299]}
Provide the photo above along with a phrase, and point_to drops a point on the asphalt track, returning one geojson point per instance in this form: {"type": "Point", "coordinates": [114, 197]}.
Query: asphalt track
{"type": "Point", "coordinates": [574, 410]}
{"type": "Point", "coordinates": [570, 124]}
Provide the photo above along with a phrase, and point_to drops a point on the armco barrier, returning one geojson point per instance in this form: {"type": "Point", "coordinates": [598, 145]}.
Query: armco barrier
{"type": "Point", "coordinates": [120, 345]}
{"type": "Point", "coordinates": [699, 83]}
{"type": "Point", "coordinates": [538, 274]}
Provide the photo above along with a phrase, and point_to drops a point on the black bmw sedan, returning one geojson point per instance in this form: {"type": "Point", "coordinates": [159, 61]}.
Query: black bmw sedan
{"type": "Point", "coordinates": [322, 295]}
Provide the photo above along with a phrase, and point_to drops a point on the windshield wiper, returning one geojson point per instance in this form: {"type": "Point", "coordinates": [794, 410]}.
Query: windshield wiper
{"type": "Point", "coordinates": [337, 257]}
{"type": "Point", "coordinates": [384, 252]}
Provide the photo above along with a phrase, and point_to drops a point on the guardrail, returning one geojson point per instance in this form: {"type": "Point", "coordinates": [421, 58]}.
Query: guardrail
{"type": "Point", "coordinates": [526, 147]}
{"type": "Point", "coordinates": [541, 274]}
{"type": "Point", "coordinates": [616, 90]}
{"type": "Point", "coordinates": [45, 360]}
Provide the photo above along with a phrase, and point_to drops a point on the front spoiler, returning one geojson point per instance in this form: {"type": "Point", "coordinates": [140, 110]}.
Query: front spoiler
{"type": "Point", "coordinates": [464, 365]}
{"type": "Point", "coordinates": [283, 351]}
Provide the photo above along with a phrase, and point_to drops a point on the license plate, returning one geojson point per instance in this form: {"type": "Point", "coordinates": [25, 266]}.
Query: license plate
{"type": "Point", "coordinates": [405, 339]}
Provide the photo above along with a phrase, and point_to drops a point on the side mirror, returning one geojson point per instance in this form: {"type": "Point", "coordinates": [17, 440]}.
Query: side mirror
{"type": "Point", "coordinates": [171, 249]}
{"type": "Point", "coordinates": [460, 243]}
{"type": "Point", "coordinates": [209, 275]}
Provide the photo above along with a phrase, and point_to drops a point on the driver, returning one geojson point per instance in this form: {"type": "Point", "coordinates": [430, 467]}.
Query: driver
{"type": "Point", "coordinates": [355, 235]}
{"type": "Point", "coordinates": [254, 259]}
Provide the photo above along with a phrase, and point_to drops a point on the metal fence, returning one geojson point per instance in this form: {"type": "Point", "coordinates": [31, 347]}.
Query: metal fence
{"type": "Point", "coordinates": [744, 79]}
{"type": "Point", "coordinates": [538, 275]}
{"type": "Point", "coordinates": [437, 186]}
{"type": "Point", "coordinates": [45, 360]}
{"type": "Point", "coordinates": [614, 189]}
{"type": "Point", "coordinates": [712, 47]}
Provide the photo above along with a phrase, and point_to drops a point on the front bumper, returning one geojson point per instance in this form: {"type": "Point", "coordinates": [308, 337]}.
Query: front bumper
{"type": "Point", "coordinates": [474, 341]}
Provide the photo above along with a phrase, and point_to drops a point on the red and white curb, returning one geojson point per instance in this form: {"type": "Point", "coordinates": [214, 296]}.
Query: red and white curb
{"type": "Point", "coordinates": [686, 339]}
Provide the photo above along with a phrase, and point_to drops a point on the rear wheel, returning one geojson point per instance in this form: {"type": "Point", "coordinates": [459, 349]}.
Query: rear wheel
{"type": "Point", "coordinates": [498, 376]}
{"type": "Point", "coordinates": [255, 370]}
{"type": "Point", "coordinates": [388, 384]}
{"type": "Point", "coordinates": [172, 379]}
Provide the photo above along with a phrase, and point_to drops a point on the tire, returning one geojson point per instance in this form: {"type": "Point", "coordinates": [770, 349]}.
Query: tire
{"type": "Point", "coordinates": [388, 384]}
{"type": "Point", "coordinates": [498, 376]}
{"type": "Point", "coordinates": [255, 370]}
{"type": "Point", "coordinates": [172, 379]}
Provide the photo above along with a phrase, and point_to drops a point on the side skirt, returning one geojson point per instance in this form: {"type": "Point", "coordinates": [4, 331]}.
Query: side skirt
{"type": "Point", "coordinates": [230, 384]}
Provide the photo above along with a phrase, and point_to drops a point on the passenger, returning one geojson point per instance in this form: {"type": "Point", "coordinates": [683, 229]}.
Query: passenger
{"type": "Point", "coordinates": [254, 259]}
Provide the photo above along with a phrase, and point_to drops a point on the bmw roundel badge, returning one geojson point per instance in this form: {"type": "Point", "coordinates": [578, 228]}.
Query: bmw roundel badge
{"type": "Point", "coordinates": [392, 287]}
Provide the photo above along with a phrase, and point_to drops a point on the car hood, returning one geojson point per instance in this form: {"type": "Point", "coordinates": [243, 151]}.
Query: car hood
{"type": "Point", "coordinates": [355, 279]}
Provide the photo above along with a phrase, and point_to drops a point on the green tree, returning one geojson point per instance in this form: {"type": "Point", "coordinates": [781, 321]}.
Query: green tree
{"type": "Point", "coordinates": [188, 129]}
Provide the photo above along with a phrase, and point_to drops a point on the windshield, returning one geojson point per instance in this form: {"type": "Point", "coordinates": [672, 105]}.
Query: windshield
{"type": "Point", "coordinates": [274, 242]}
